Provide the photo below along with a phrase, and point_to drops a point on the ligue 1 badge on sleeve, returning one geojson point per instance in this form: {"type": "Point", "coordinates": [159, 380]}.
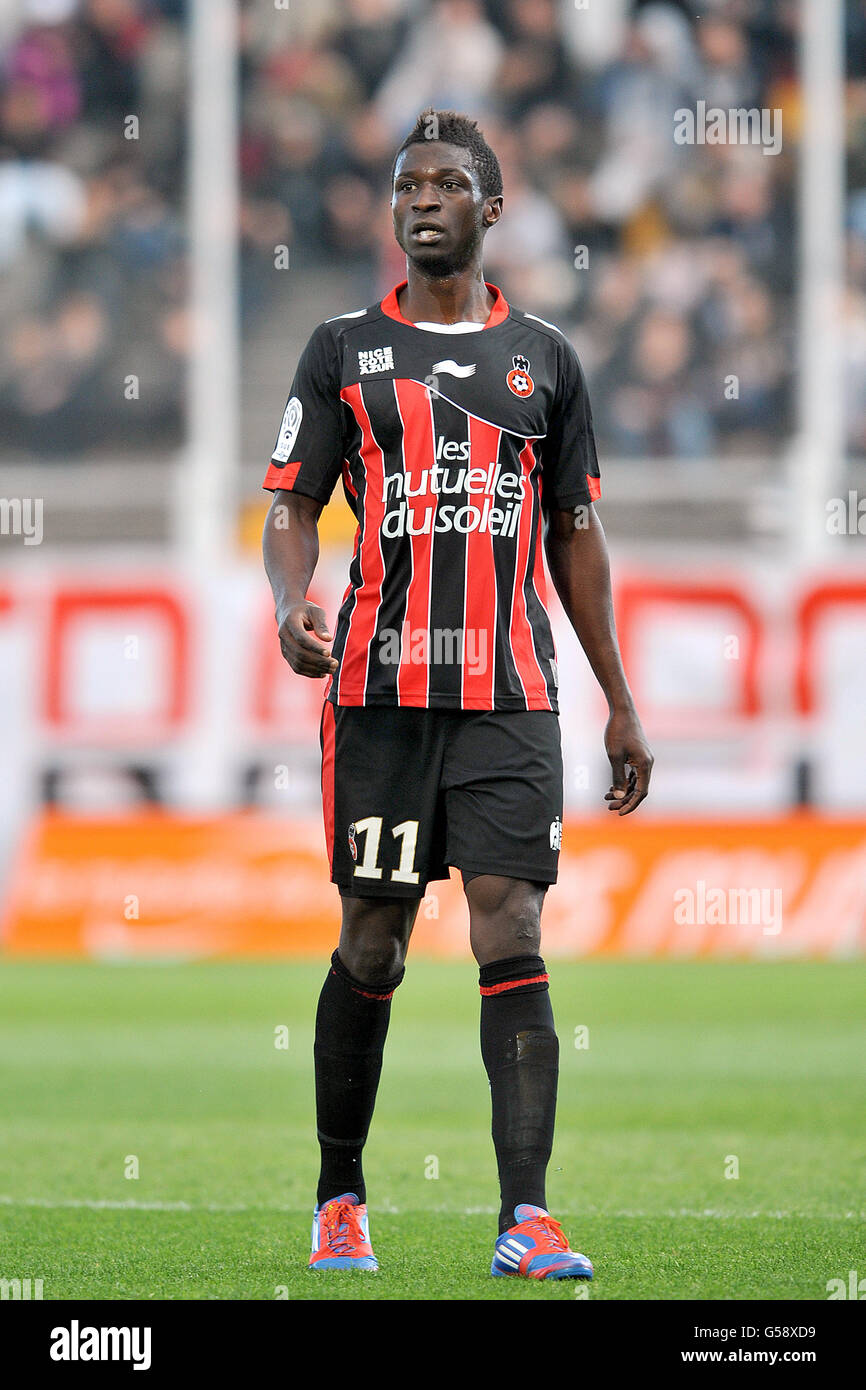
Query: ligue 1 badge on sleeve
{"type": "Point", "coordinates": [518, 379]}
{"type": "Point", "coordinates": [292, 417]}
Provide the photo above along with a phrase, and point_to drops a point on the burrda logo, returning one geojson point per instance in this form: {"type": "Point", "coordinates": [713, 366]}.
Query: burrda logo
{"type": "Point", "coordinates": [453, 368]}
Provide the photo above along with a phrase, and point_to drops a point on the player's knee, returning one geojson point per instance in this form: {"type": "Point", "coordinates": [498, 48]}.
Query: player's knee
{"type": "Point", "coordinates": [372, 963]}
{"type": "Point", "coordinates": [521, 917]}
{"type": "Point", "coordinates": [516, 932]}
{"type": "Point", "coordinates": [505, 917]}
{"type": "Point", "coordinates": [374, 938]}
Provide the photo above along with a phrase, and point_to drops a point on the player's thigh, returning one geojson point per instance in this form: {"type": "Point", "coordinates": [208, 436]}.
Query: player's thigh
{"type": "Point", "coordinates": [504, 916]}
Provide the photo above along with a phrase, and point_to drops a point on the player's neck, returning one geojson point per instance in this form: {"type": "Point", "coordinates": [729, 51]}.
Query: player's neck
{"type": "Point", "coordinates": [461, 298]}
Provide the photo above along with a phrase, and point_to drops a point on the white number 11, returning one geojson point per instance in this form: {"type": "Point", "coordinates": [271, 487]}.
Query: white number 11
{"type": "Point", "coordinates": [407, 831]}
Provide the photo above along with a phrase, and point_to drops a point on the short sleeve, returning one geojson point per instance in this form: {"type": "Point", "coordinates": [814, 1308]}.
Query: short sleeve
{"type": "Point", "coordinates": [308, 455]}
{"type": "Point", "coordinates": [570, 473]}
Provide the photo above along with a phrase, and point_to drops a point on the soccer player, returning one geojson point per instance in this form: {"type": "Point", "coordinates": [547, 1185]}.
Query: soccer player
{"type": "Point", "coordinates": [461, 430]}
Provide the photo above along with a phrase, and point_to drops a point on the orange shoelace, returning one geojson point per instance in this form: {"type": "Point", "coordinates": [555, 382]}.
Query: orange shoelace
{"type": "Point", "coordinates": [343, 1227]}
{"type": "Point", "coordinates": [551, 1231]}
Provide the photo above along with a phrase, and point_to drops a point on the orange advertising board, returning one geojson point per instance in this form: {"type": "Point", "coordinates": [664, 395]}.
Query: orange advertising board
{"type": "Point", "coordinates": [160, 886]}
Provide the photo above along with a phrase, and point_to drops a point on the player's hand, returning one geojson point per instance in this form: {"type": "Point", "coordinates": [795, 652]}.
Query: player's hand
{"type": "Point", "coordinates": [305, 641]}
{"type": "Point", "coordinates": [630, 760]}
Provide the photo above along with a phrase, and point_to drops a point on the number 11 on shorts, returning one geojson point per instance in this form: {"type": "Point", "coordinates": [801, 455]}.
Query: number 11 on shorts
{"type": "Point", "coordinates": [406, 831]}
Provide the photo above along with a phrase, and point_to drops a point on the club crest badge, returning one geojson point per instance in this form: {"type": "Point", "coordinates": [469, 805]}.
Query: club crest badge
{"type": "Point", "coordinates": [353, 848]}
{"type": "Point", "coordinates": [519, 381]}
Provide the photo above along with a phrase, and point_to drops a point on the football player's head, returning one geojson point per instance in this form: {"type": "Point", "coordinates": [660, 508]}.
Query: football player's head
{"type": "Point", "coordinates": [446, 192]}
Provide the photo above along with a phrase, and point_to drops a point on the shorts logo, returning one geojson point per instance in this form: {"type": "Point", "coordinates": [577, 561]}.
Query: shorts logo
{"type": "Point", "coordinates": [376, 360]}
{"type": "Point", "coordinates": [292, 417]}
{"type": "Point", "coordinates": [556, 834]}
{"type": "Point", "coordinates": [519, 381]}
{"type": "Point", "coordinates": [353, 848]}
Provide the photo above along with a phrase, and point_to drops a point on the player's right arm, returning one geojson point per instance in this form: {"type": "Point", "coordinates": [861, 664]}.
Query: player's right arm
{"type": "Point", "coordinates": [304, 469]}
{"type": "Point", "coordinates": [291, 549]}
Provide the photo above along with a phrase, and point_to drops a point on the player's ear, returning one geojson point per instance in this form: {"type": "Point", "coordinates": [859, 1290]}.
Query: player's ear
{"type": "Point", "coordinates": [492, 210]}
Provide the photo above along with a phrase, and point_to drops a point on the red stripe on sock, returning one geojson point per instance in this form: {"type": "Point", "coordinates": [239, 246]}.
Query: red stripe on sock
{"type": "Point", "coordinates": [365, 995]}
{"type": "Point", "coordinates": [513, 984]}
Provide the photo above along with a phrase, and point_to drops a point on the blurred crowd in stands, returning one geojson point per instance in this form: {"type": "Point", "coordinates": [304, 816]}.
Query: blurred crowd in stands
{"type": "Point", "coordinates": [672, 267]}
{"type": "Point", "coordinates": [93, 282]}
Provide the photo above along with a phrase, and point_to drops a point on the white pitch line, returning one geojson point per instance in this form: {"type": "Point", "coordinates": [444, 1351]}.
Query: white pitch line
{"type": "Point", "coordinates": [129, 1204]}
{"type": "Point", "coordinates": [386, 1209]}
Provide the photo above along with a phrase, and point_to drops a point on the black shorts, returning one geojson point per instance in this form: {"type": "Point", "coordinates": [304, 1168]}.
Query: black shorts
{"type": "Point", "coordinates": [408, 792]}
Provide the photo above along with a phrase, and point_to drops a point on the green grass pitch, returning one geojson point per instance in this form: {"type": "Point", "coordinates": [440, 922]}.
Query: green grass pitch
{"type": "Point", "coordinates": [693, 1070]}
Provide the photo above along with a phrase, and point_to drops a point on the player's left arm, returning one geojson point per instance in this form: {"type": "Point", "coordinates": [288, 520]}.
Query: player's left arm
{"type": "Point", "coordinates": [577, 555]}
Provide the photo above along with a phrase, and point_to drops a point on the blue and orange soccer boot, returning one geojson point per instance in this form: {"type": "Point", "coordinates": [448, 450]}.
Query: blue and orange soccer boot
{"type": "Point", "coordinates": [536, 1248]}
{"type": "Point", "coordinates": [341, 1235]}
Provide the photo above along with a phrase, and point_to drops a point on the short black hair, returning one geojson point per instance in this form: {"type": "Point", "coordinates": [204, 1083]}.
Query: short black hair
{"type": "Point", "coordinates": [452, 128]}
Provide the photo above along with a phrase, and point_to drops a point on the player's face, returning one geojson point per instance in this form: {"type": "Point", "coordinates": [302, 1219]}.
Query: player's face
{"type": "Point", "coordinates": [440, 214]}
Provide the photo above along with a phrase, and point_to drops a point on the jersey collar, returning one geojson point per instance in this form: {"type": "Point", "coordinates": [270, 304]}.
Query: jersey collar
{"type": "Point", "coordinates": [498, 314]}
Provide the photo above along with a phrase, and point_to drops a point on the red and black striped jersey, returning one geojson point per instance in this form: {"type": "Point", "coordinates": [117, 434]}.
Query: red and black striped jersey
{"type": "Point", "coordinates": [451, 447]}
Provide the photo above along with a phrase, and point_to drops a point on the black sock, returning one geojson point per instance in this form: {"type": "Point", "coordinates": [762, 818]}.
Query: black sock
{"type": "Point", "coordinates": [521, 1053]}
{"type": "Point", "coordinates": [351, 1026]}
